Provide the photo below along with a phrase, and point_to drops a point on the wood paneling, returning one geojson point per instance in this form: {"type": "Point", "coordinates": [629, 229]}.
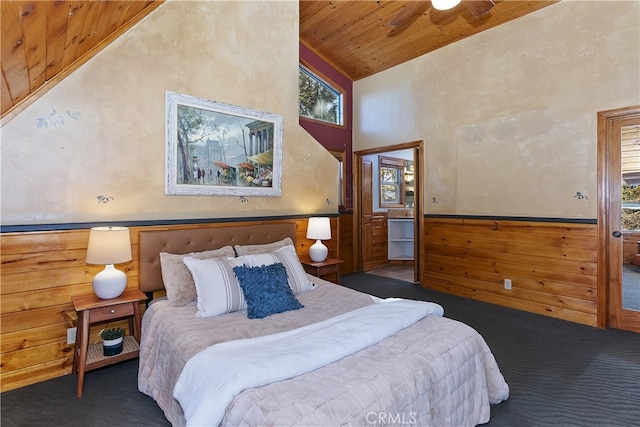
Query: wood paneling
{"type": "Point", "coordinates": [347, 248]}
{"type": "Point", "coordinates": [552, 265]}
{"type": "Point", "coordinates": [40, 273]}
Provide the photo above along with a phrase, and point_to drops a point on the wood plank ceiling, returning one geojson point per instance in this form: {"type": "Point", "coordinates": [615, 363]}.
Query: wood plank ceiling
{"type": "Point", "coordinates": [44, 41]}
{"type": "Point", "coordinates": [358, 37]}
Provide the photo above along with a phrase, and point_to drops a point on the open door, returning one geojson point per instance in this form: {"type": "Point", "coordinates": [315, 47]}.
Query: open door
{"type": "Point", "coordinates": [362, 191]}
{"type": "Point", "coordinates": [618, 169]}
{"type": "Point", "coordinates": [366, 212]}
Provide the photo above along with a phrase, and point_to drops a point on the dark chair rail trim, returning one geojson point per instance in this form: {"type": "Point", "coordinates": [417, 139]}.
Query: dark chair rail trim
{"type": "Point", "coordinates": [85, 225]}
{"type": "Point", "coordinates": [145, 223]}
{"type": "Point", "coordinates": [517, 218]}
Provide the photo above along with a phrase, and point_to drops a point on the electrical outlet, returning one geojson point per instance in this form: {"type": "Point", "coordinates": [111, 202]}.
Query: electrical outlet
{"type": "Point", "coordinates": [71, 335]}
{"type": "Point", "coordinates": [507, 283]}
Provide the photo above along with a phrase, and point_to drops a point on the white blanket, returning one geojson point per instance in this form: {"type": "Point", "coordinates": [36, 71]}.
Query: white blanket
{"type": "Point", "coordinates": [211, 378]}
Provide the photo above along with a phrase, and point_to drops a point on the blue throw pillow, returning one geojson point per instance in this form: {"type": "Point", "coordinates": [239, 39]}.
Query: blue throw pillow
{"type": "Point", "coordinates": [266, 290]}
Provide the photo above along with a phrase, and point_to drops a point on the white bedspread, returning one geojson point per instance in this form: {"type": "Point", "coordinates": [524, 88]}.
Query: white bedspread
{"type": "Point", "coordinates": [212, 378]}
{"type": "Point", "coordinates": [437, 372]}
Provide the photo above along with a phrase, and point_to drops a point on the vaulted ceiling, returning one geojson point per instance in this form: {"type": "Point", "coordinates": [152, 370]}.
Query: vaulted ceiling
{"type": "Point", "coordinates": [362, 38]}
{"type": "Point", "coordinates": [43, 42]}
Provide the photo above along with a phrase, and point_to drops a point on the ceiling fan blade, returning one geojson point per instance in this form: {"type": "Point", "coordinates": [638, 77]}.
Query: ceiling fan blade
{"type": "Point", "coordinates": [409, 11]}
{"type": "Point", "coordinates": [478, 7]}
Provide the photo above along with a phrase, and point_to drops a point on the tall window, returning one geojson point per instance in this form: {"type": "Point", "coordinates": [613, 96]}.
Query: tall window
{"type": "Point", "coordinates": [630, 139]}
{"type": "Point", "coordinates": [317, 99]}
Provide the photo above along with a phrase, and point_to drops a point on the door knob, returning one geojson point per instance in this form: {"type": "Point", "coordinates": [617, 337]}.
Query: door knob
{"type": "Point", "coordinates": [616, 234]}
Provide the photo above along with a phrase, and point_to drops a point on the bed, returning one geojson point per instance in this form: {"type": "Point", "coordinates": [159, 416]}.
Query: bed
{"type": "Point", "coordinates": [429, 370]}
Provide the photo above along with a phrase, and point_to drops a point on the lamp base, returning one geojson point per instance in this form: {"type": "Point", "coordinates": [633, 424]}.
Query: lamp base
{"type": "Point", "coordinates": [109, 283]}
{"type": "Point", "coordinates": [318, 251]}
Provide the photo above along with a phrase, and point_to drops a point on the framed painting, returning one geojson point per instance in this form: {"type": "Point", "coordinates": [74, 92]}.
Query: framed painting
{"type": "Point", "coordinates": [218, 149]}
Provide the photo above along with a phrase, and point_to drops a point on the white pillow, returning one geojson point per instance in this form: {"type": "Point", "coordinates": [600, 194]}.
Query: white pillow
{"type": "Point", "coordinates": [216, 285]}
{"type": "Point", "coordinates": [176, 277]}
{"type": "Point", "coordinates": [298, 281]}
{"type": "Point", "coordinates": [242, 250]}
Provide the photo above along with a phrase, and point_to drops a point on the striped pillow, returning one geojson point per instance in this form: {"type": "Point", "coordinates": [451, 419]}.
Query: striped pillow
{"type": "Point", "coordinates": [217, 287]}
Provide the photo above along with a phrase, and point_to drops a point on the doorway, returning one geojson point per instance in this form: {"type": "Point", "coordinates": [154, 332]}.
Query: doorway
{"type": "Point", "coordinates": [364, 215]}
{"type": "Point", "coordinates": [618, 209]}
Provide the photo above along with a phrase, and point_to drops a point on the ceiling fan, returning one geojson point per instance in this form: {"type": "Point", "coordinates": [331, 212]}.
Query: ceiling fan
{"type": "Point", "coordinates": [415, 8]}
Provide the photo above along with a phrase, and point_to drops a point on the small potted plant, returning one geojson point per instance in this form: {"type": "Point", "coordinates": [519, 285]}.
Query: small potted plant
{"type": "Point", "coordinates": [112, 340]}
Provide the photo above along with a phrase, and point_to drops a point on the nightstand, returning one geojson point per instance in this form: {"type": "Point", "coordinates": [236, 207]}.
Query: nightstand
{"type": "Point", "coordinates": [323, 268]}
{"type": "Point", "coordinates": [92, 309]}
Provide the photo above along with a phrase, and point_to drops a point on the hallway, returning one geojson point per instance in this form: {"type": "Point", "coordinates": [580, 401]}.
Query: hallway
{"type": "Point", "coordinates": [402, 272]}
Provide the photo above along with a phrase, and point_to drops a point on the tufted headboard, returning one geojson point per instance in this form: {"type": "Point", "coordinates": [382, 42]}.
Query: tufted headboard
{"type": "Point", "coordinates": [185, 240]}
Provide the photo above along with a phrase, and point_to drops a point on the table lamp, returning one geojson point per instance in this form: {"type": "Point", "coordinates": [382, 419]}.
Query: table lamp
{"type": "Point", "coordinates": [319, 229]}
{"type": "Point", "coordinates": [109, 246]}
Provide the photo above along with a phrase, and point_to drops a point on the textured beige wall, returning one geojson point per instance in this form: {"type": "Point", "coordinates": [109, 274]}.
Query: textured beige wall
{"type": "Point", "coordinates": [508, 116]}
{"type": "Point", "coordinates": [105, 124]}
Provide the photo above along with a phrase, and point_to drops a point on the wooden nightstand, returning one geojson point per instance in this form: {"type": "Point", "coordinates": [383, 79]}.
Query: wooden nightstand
{"type": "Point", "coordinates": [324, 268]}
{"type": "Point", "coordinates": [92, 309]}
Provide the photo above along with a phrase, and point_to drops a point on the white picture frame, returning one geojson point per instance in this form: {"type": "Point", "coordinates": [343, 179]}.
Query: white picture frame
{"type": "Point", "coordinates": [218, 149]}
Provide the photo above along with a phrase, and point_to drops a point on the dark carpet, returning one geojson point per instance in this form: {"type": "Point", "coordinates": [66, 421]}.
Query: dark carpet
{"type": "Point", "coordinates": [559, 373]}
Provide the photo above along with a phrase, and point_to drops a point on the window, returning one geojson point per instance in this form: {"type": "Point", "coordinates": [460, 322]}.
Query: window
{"type": "Point", "coordinates": [391, 182]}
{"type": "Point", "coordinates": [630, 135]}
{"type": "Point", "coordinates": [317, 99]}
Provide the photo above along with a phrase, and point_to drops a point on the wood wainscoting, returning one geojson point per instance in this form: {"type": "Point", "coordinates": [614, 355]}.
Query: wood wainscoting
{"type": "Point", "coordinates": [552, 265]}
{"type": "Point", "coordinates": [347, 248]}
{"type": "Point", "coordinates": [40, 273]}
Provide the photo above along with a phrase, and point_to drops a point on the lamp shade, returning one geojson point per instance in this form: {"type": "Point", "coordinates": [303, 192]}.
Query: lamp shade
{"type": "Point", "coordinates": [444, 4]}
{"type": "Point", "coordinates": [109, 245]}
{"type": "Point", "coordinates": [319, 228]}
